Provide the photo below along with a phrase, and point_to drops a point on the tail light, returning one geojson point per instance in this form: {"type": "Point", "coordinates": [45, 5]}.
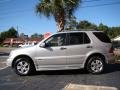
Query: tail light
{"type": "Point", "coordinates": [111, 50]}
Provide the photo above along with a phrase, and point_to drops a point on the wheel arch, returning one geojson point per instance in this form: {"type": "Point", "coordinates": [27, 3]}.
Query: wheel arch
{"type": "Point", "coordinates": [19, 56]}
{"type": "Point", "coordinates": [94, 54]}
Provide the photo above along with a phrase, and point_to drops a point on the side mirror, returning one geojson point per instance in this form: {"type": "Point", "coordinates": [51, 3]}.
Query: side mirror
{"type": "Point", "coordinates": [42, 45]}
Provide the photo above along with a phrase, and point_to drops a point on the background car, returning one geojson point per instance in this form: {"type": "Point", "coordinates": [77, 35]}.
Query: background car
{"type": "Point", "coordinates": [26, 44]}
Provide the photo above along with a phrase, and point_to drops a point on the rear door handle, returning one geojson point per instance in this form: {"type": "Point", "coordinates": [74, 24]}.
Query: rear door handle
{"type": "Point", "coordinates": [89, 46]}
{"type": "Point", "coordinates": [63, 48]}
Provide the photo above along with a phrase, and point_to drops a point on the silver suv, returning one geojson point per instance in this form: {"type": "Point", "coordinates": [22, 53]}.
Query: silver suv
{"type": "Point", "coordinates": [91, 50]}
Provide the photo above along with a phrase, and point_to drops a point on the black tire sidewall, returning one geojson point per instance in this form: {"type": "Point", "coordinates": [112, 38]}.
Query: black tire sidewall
{"type": "Point", "coordinates": [88, 67]}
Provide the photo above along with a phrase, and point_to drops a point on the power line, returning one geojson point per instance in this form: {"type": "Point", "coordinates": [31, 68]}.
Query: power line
{"type": "Point", "coordinates": [14, 14]}
{"type": "Point", "coordinates": [3, 1]}
{"type": "Point", "coordinates": [98, 5]}
{"type": "Point", "coordinates": [90, 6]}
{"type": "Point", "coordinates": [16, 11]}
{"type": "Point", "coordinates": [90, 0]}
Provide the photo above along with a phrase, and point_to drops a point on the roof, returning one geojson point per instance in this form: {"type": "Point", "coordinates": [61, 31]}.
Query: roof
{"type": "Point", "coordinates": [83, 30]}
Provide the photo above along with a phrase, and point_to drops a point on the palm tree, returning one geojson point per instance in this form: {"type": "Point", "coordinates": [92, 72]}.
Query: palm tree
{"type": "Point", "coordinates": [59, 9]}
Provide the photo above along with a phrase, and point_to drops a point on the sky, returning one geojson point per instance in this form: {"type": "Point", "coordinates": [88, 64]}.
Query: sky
{"type": "Point", "coordinates": [21, 15]}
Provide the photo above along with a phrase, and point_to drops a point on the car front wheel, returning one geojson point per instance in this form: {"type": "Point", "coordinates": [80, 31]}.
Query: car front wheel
{"type": "Point", "coordinates": [23, 66]}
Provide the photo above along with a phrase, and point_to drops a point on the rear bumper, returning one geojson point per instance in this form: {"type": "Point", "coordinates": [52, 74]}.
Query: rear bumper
{"type": "Point", "coordinates": [110, 58]}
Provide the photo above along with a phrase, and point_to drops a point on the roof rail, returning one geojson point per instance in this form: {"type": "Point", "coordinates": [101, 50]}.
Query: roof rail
{"type": "Point", "coordinates": [81, 30]}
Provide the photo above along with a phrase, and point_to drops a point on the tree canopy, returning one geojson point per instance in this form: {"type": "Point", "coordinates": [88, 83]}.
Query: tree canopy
{"type": "Point", "coordinates": [86, 25]}
{"type": "Point", "coordinates": [59, 9]}
{"type": "Point", "coordinates": [36, 35]}
{"type": "Point", "coordinates": [10, 33]}
{"type": "Point", "coordinates": [71, 23]}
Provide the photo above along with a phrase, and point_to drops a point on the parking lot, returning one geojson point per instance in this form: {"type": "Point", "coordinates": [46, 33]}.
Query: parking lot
{"type": "Point", "coordinates": [55, 80]}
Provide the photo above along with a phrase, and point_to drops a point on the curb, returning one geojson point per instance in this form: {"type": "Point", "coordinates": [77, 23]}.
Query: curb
{"type": "Point", "coordinates": [87, 87]}
{"type": "Point", "coordinates": [3, 65]}
{"type": "Point", "coordinates": [3, 68]}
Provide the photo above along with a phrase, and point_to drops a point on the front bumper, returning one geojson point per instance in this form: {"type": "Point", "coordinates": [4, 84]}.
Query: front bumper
{"type": "Point", "coordinates": [9, 61]}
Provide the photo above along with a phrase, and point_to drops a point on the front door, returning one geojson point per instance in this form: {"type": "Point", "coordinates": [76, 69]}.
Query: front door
{"type": "Point", "coordinates": [54, 52]}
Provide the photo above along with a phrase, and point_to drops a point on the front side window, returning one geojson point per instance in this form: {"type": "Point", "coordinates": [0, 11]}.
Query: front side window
{"type": "Point", "coordinates": [56, 40]}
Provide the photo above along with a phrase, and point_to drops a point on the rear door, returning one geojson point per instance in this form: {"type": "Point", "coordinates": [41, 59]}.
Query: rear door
{"type": "Point", "coordinates": [78, 47]}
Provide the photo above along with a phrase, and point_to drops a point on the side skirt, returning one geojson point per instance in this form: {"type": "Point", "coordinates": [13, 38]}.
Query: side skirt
{"type": "Point", "coordinates": [58, 67]}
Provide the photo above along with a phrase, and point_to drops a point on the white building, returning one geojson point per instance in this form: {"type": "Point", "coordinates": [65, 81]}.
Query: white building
{"type": "Point", "coordinates": [116, 38]}
{"type": "Point", "coordinates": [116, 42]}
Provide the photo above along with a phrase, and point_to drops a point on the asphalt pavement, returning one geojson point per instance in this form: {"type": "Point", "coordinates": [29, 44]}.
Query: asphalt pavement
{"type": "Point", "coordinates": [57, 80]}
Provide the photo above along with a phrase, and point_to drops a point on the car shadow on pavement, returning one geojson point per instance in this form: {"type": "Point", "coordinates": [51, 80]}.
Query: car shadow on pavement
{"type": "Point", "coordinates": [61, 72]}
{"type": "Point", "coordinates": [112, 68]}
{"type": "Point", "coordinates": [109, 69]}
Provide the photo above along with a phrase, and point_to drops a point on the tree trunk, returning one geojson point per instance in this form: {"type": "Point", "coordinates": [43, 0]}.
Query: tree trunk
{"type": "Point", "coordinates": [60, 21]}
{"type": "Point", "coordinates": [60, 26]}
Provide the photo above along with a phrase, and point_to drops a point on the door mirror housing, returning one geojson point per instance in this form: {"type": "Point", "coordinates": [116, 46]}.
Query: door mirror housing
{"type": "Point", "coordinates": [43, 45]}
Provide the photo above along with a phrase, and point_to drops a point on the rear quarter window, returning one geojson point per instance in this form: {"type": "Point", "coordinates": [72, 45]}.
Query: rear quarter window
{"type": "Point", "coordinates": [102, 37]}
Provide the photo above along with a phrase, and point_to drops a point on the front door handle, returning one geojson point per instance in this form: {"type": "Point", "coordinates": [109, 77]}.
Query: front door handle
{"type": "Point", "coordinates": [63, 48]}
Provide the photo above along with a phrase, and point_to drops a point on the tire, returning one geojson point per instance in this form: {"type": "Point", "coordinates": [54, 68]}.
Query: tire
{"type": "Point", "coordinates": [95, 65]}
{"type": "Point", "coordinates": [23, 66]}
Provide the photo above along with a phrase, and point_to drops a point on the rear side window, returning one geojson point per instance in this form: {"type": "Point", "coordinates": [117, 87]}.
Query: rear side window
{"type": "Point", "coordinates": [78, 38]}
{"type": "Point", "coordinates": [102, 37]}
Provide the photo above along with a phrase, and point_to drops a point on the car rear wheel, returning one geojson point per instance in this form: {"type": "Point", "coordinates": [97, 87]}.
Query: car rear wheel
{"type": "Point", "coordinates": [23, 66]}
{"type": "Point", "coordinates": [95, 65]}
